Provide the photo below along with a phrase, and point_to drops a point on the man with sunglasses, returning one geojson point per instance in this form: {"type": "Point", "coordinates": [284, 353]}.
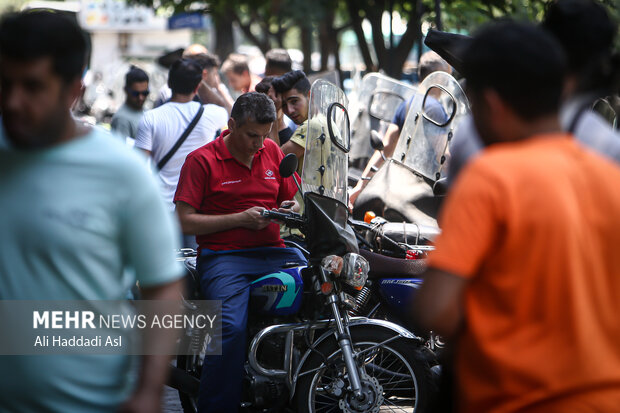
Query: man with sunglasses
{"type": "Point", "coordinates": [126, 120]}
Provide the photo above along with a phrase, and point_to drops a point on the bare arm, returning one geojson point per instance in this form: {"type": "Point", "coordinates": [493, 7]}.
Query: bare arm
{"type": "Point", "coordinates": [208, 94]}
{"type": "Point", "coordinates": [390, 139]}
{"type": "Point", "coordinates": [438, 304]}
{"type": "Point", "coordinates": [154, 368]}
{"type": "Point", "coordinates": [193, 222]}
{"type": "Point", "coordinates": [292, 147]}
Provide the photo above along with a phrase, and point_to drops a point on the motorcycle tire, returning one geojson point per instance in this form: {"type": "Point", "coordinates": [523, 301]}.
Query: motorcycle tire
{"type": "Point", "coordinates": [403, 359]}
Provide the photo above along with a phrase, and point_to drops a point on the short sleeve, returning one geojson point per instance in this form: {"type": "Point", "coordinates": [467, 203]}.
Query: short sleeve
{"type": "Point", "coordinates": [219, 114]}
{"type": "Point", "coordinates": [470, 222]}
{"type": "Point", "coordinates": [150, 233]}
{"type": "Point", "coordinates": [299, 136]}
{"type": "Point", "coordinates": [192, 182]}
{"type": "Point", "coordinates": [400, 115]}
{"type": "Point", "coordinates": [144, 136]}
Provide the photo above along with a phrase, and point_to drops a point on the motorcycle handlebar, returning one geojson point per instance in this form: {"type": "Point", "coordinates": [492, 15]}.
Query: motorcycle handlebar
{"type": "Point", "coordinates": [292, 220]}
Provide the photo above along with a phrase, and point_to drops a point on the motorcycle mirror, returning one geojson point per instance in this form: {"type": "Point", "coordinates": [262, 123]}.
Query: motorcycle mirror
{"type": "Point", "coordinates": [375, 141]}
{"type": "Point", "coordinates": [288, 165]}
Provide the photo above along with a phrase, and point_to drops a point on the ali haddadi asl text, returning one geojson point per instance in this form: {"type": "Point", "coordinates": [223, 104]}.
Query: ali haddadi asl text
{"type": "Point", "coordinates": [78, 341]}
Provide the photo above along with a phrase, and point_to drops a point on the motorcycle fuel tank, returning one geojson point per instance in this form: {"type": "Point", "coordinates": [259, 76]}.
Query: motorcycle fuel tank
{"type": "Point", "coordinates": [278, 293]}
{"type": "Point", "coordinates": [397, 292]}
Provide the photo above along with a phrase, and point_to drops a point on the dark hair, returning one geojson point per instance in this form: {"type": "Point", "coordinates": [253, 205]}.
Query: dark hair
{"type": "Point", "coordinates": [431, 62]}
{"type": "Point", "coordinates": [32, 35]}
{"type": "Point", "coordinates": [206, 60]}
{"type": "Point", "coordinates": [521, 62]}
{"type": "Point", "coordinates": [135, 75]}
{"type": "Point", "coordinates": [184, 76]}
{"type": "Point", "coordinates": [236, 63]}
{"type": "Point", "coordinates": [278, 61]}
{"type": "Point", "coordinates": [264, 85]}
{"type": "Point", "coordinates": [253, 106]}
{"type": "Point", "coordinates": [586, 33]}
{"type": "Point", "coordinates": [292, 80]}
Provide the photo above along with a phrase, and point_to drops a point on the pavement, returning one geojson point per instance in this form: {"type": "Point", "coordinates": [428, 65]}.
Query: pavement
{"type": "Point", "coordinates": [170, 402]}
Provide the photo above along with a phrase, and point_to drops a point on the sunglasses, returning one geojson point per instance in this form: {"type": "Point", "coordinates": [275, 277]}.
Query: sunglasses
{"type": "Point", "coordinates": [136, 93]}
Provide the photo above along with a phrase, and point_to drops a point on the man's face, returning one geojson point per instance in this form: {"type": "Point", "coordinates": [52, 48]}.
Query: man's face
{"type": "Point", "coordinates": [249, 137]}
{"type": "Point", "coordinates": [239, 82]}
{"type": "Point", "coordinates": [277, 99]}
{"type": "Point", "coordinates": [137, 93]}
{"type": "Point", "coordinates": [35, 102]}
{"type": "Point", "coordinates": [295, 106]}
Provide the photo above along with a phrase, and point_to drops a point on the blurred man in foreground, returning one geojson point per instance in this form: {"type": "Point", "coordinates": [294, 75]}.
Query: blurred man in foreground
{"type": "Point", "coordinates": [78, 209]}
{"type": "Point", "coordinates": [586, 33]}
{"type": "Point", "coordinates": [524, 275]}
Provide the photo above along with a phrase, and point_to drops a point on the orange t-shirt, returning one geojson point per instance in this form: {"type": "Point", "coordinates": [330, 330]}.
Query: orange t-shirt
{"type": "Point", "coordinates": [534, 227]}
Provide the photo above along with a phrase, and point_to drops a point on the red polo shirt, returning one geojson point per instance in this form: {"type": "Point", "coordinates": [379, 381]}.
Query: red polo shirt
{"type": "Point", "coordinates": [215, 183]}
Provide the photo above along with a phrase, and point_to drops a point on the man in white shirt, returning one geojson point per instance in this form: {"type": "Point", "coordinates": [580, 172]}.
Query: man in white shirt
{"type": "Point", "coordinates": [162, 127]}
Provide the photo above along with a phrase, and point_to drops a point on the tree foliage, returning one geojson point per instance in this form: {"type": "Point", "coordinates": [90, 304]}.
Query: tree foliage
{"type": "Point", "coordinates": [320, 23]}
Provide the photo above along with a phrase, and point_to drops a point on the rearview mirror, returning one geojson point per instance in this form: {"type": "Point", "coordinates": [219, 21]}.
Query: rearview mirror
{"type": "Point", "coordinates": [438, 106]}
{"type": "Point", "coordinates": [288, 165]}
{"type": "Point", "coordinates": [382, 104]}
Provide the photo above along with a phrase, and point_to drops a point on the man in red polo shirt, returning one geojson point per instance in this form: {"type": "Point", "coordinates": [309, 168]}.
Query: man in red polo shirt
{"type": "Point", "coordinates": [222, 190]}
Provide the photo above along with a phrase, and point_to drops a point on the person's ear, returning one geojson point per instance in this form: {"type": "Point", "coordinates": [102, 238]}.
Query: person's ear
{"type": "Point", "coordinates": [75, 90]}
{"type": "Point", "coordinates": [231, 124]}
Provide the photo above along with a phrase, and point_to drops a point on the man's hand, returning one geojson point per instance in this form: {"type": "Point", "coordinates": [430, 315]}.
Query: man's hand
{"type": "Point", "coordinates": [289, 206]}
{"type": "Point", "coordinates": [355, 192]}
{"type": "Point", "coordinates": [252, 219]}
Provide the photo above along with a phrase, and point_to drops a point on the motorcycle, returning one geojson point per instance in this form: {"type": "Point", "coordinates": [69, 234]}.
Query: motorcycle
{"type": "Point", "coordinates": [306, 352]}
{"type": "Point", "coordinates": [377, 100]}
{"type": "Point", "coordinates": [420, 158]}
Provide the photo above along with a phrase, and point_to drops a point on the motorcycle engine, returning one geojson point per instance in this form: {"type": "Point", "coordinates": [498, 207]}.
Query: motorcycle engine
{"type": "Point", "coordinates": [264, 392]}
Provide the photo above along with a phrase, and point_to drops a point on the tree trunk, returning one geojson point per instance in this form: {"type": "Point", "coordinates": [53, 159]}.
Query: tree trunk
{"type": "Point", "coordinates": [375, 17]}
{"type": "Point", "coordinates": [438, 22]}
{"type": "Point", "coordinates": [401, 52]}
{"type": "Point", "coordinates": [325, 46]}
{"type": "Point", "coordinates": [306, 47]}
{"type": "Point", "coordinates": [224, 40]}
{"type": "Point", "coordinates": [356, 23]}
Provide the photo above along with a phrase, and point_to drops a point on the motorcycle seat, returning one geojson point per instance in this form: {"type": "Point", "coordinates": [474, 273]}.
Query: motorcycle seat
{"type": "Point", "coordinates": [382, 266]}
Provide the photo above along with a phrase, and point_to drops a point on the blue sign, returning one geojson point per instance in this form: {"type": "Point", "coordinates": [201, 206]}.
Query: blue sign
{"type": "Point", "coordinates": [187, 21]}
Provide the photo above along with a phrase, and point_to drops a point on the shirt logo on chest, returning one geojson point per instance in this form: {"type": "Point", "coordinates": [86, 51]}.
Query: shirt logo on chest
{"type": "Point", "coordinates": [269, 174]}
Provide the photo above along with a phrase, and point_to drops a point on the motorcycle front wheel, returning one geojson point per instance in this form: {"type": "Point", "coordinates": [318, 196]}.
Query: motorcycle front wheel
{"type": "Point", "coordinates": [396, 376]}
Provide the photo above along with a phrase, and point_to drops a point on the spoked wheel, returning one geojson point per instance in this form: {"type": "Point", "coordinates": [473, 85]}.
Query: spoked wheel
{"type": "Point", "coordinates": [396, 376]}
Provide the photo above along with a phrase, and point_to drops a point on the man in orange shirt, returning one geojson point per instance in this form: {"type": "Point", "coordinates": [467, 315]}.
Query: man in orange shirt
{"type": "Point", "coordinates": [525, 277]}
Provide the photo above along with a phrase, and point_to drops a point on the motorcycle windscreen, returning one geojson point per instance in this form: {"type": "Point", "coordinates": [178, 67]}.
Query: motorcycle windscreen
{"type": "Point", "coordinates": [329, 232]}
{"type": "Point", "coordinates": [327, 143]}
{"type": "Point", "coordinates": [436, 110]}
{"type": "Point", "coordinates": [373, 109]}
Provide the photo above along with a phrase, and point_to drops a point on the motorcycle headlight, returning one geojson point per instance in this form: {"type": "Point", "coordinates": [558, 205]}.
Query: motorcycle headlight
{"type": "Point", "coordinates": [355, 270]}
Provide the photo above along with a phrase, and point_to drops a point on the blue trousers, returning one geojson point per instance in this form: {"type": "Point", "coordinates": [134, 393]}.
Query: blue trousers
{"type": "Point", "coordinates": [227, 277]}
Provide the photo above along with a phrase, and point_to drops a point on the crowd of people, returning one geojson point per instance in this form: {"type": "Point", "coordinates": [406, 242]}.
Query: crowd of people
{"type": "Point", "coordinates": [524, 279]}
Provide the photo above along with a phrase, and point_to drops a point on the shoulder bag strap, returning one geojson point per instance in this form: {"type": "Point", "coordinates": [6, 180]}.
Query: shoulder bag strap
{"type": "Point", "coordinates": [180, 141]}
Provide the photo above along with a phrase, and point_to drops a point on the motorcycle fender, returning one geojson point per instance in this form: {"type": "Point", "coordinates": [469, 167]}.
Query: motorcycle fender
{"type": "Point", "coordinates": [353, 323]}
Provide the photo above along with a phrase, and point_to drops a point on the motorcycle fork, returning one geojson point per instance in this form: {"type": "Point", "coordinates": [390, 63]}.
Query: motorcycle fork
{"type": "Point", "coordinates": [343, 336]}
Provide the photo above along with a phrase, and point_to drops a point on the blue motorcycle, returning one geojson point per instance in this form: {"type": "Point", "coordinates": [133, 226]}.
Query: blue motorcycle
{"type": "Point", "coordinates": [307, 353]}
